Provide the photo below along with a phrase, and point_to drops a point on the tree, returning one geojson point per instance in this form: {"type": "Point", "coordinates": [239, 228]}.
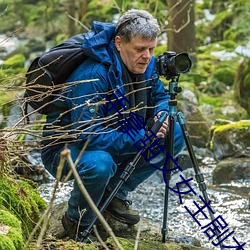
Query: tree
{"type": "Point", "coordinates": [181, 27]}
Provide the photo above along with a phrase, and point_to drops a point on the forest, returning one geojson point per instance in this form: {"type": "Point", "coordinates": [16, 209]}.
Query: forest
{"type": "Point", "coordinates": [214, 98]}
{"type": "Point", "coordinates": [214, 33]}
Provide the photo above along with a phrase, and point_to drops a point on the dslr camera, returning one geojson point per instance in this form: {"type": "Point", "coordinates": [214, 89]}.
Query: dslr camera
{"type": "Point", "coordinates": [171, 65]}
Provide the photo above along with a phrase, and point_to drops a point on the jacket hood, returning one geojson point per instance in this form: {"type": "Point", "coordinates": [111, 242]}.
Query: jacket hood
{"type": "Point", "coordinates": [98, 43]}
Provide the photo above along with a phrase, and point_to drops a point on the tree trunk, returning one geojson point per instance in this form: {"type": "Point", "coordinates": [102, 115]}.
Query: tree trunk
{"type": "Point", "coordinates": [71, 6]}
{"type": "Point", "coordinates": [181, 27]}
{"type": "Point", "coordinates": [83, 7]}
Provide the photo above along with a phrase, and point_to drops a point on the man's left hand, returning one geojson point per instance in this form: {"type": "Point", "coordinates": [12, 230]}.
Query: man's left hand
{"type": "Point", "coordinates": [164, 128]}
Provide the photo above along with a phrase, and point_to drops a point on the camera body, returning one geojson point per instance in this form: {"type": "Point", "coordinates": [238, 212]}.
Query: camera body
{"type": "Point", "coordinates": [171, 65]}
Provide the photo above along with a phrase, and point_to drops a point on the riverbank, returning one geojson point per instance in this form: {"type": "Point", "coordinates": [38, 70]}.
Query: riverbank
{"type": "Point", "coordinates": [230, 201]}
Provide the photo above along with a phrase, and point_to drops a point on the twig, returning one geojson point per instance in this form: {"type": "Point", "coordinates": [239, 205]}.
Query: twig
{"type": "Point", "coordinates": [66, 154]}
{"type": "Point", "coordinates": [77, 21]}
{"type": "Point", "coordinates": [137, 236]}
{"type": "Point", "coordinates": [99, 238]}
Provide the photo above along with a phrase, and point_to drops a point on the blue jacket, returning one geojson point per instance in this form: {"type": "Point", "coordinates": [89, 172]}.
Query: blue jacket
{"type": "Point", "coordinates": [87, 117]}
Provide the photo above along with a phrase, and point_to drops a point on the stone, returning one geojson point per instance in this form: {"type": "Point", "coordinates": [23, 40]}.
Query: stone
{"type": "Point", "coordinates": [231, 169]}
{"type": "Point", "coordinates": [197, 125]}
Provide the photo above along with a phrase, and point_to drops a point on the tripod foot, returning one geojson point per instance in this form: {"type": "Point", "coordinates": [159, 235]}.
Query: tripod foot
{"type": "Point", "coordinates": [164, 232]}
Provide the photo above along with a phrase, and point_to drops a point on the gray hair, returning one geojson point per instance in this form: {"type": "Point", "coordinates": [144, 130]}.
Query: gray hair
{"type": "Point", "coordinates": [137, 22]}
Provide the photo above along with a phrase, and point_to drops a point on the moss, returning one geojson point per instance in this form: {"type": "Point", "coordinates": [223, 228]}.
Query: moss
{"type": "Point", "coordinates": [225, 75]}
{"type": "Point", "coordinates": [16, 237]}
{"type": "Point", "coordinates": [128, 244]}
{"type": "Point", "coordinates": [6, 243]}
{"type": "Point", "coordinates": [9, 219]}
{"type": "Point", "coordinates": [13, 71]}
{"type": "Point", "coordinates": [65, 245]}
{"type": "Point", "coordinates": [229, 45]}
{"type": "Point", "coordinates": [21, 199]}
{"type": "Point", "coordinates": [6, 96]}
{"type": "Point", "coordinates": [235, 125]}
{"type": "Point", "coordinates": [219, 102]}
{"type": "Point", "coordinates": [16, 61]}
{"type": "Point", "coordinates": [214, 101]}
{"type": "Point", "coordinates": [13, 239]}
{"type": "Point", "coordinates": [174, 246]}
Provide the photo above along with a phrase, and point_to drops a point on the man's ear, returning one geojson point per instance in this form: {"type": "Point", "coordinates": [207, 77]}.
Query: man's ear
{"type": "Point", "coordinates": [118, 42]}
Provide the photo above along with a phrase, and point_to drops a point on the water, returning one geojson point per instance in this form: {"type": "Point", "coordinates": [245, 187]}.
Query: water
{"type": "Point", "coordinates": [230, 201]}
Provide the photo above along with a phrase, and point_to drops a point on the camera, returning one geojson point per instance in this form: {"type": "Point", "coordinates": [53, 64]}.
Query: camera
{"type": "Point", "coordinates": [171, 65]}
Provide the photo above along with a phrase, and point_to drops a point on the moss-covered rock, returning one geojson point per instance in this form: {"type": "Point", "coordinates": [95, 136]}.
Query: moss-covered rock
{"type": "Point", "coordinates": [22, 200]}
{"type": "Point", "coordinates": [11, 237]}
{"type": "Point", "coordinates": [231, 139]}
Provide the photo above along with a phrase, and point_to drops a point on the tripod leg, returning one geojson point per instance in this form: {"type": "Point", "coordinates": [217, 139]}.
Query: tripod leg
{"type": "Point", "coordinates": [124, 176]}
{"type": "Point", "coordinates": [167, 174]}
{"type": "Point", "coordinates": [198, 175]}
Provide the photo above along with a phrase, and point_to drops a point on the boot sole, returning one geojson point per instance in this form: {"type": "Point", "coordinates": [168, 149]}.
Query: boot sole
{"type": "Point", "coordinates": [121, 219]}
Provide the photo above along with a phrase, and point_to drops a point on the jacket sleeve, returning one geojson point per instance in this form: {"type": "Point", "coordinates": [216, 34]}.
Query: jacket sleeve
{"type": "Point", "coordinates": [88, 115]}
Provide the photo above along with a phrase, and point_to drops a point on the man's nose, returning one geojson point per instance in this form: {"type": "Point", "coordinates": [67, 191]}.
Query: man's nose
{"type": "Point", "coordinates": [146, 54]}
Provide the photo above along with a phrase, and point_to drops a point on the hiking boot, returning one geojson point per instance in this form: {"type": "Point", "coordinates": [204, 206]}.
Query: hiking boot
{"type": "Point", "coordinates": [121, 211]}
{"type": "Point", "coordinates": [74, 231]}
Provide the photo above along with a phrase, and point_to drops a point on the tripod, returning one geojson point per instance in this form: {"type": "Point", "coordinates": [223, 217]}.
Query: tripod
{"type": "Point", "coordinates": [125, 174]}
{"type": "Point", "coordinates": [173, 90]}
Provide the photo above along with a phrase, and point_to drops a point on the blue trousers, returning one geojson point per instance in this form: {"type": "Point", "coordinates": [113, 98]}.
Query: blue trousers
{"type": "Point", "coordinates": [99, 170]}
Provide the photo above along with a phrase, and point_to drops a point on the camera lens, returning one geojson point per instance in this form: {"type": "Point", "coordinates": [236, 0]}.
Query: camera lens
{"type": "Point", "coordinates": [182, 63]}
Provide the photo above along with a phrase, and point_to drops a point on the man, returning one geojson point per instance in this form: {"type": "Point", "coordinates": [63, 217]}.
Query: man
{"type": "Point", "coordinates": [121, 69]}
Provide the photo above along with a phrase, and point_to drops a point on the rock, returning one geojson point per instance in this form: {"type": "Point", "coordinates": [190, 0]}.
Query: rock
{"type": "Point", "coordinates": [197, 125]}
{"type": "Point", "coordinates": [228, 110]}
{"type": "Point", "coordinates": [188, 95]}
{"type": "Point", "coordinates": [232, 139]}
{"type": "Point", "coordinates": [231, 169]}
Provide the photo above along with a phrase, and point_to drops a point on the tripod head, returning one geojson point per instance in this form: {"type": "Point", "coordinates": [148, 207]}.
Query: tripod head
{"type": "Point", "coordinates": [174, 89]}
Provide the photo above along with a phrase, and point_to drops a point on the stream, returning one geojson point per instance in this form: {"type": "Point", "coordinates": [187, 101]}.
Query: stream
{"type": "Point", "coordinates": [230, 201]}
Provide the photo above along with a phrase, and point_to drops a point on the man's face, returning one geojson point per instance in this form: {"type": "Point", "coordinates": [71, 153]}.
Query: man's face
{"type": "Point", "coordinates": [137, 53]}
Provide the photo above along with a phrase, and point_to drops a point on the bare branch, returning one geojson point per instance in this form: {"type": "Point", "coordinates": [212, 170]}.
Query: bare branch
{"type": "Point", "coordinates": [66, 154]}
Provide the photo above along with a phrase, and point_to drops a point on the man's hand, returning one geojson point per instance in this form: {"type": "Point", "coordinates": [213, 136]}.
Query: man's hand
{"type": "Point", "coordinates": [164, 128]}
